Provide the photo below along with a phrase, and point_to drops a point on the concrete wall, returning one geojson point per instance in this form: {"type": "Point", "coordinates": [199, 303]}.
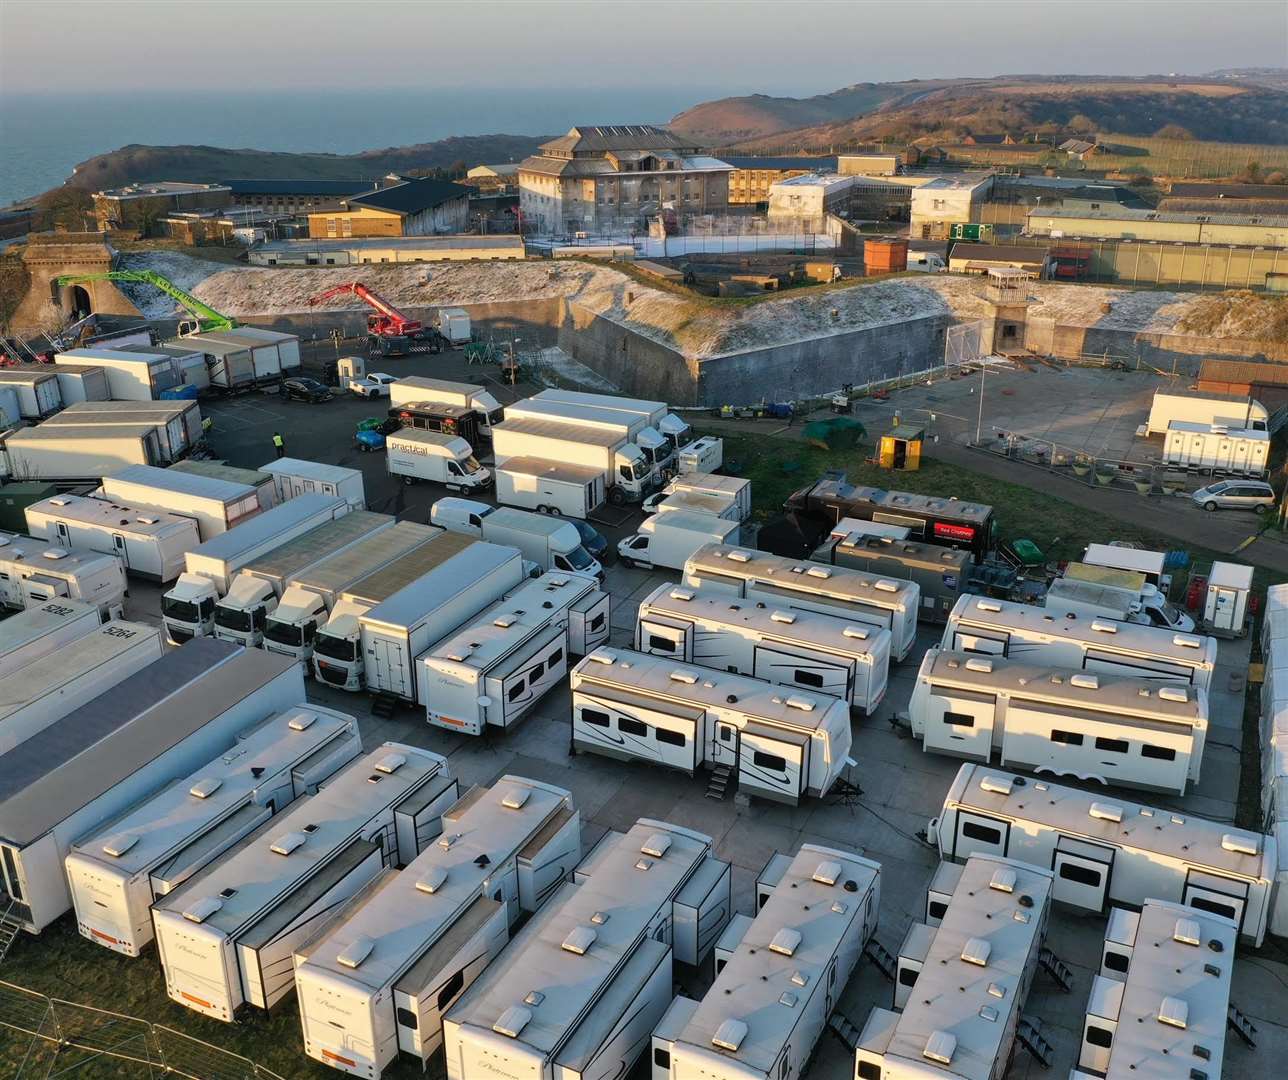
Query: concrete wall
{"type": "Point", "coordinates": [1180, 352]}
{"type": "Point", "coordinates": [640, 366]}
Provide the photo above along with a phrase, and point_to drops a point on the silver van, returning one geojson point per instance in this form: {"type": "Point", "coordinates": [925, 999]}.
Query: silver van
{"type": "Point", "coordinates": [1236, 495]}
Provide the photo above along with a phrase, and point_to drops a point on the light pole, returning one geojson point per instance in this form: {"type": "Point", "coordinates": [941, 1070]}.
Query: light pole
{"type": "Point", "coordinates": [979, 422]}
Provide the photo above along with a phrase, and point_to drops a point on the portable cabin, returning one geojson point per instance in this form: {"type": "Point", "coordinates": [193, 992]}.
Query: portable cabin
{"type": "Point", "coordinates": [779, 744]}
{"type": "Point", "coordinates": [216, 505]}
{"type": "Point", "coordinates": [295, 476]}
{"type": "Point", "coordinates": [1109, 851]}
{"type": "Point", "coordinates": [225, 936]}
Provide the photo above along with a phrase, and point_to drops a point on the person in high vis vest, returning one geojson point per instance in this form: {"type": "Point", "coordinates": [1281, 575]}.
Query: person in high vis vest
{"type": "Point", "coordinates": [279, 444]}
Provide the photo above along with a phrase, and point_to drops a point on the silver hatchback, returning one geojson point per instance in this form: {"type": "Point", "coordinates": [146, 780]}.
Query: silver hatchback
{"type": "Point", "coordinates": [1236, 495]}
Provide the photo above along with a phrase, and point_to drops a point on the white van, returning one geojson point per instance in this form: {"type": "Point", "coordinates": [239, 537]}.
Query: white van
{"type": "Point", "coordinates": [416, 454]}
{"type": "Point", "coordinates": [927, 262]}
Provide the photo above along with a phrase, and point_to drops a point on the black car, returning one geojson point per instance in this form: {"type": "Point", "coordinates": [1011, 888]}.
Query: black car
{"type": "Point", "coordinates": [304, 389]}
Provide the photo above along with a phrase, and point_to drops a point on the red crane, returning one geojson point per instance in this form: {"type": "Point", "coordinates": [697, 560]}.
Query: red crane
{"type": "Point", "coordinates": [388, 320]}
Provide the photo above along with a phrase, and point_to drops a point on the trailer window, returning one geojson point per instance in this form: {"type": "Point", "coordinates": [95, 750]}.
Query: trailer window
{"type": "Point", "coordinates": [1069, 738]}
{"type": "Point", "coordinates": [671, 738]}
{"type": "Point", "coordinates": [809, 678]}
{"type": "Point", "coordinates": [407, 1018]}
{"type": "Point", "coordinates": [556, 657]}
{"type": "Point", "coordinates": [1159, 753]}
{"type": "Point", "coordinates": [1203, 903]}
{"type": "Point", "coordinates": [594, 718]}
{"type": "Point", "coordinates": [655, 641]}
{"type": "Point", "coordinates": [662, 1058]}
{"type": "Point", "coordinates": [936, 909]}
{"type": "Point", "coordinates": [959, 719]}
{"type": "Point", "coordinates": [454, 986]}
{"type": "Point", "coordinates": [632, 727]}
{"type": "Point", "coordinates": [974, 831]}
{"type": "Point", "coordinates": [1082, 875]}
{"type": "Point", "coordinates": [516, 691]}
{"type": "Point", "coordinates": [869, 1070]}
{"type": "Point", "coordinates": [538, 669]}
{"type": "Point", "coordinates": [769, 761]}
{"type": "Point", "coordinates": [1099, 1036]}
{"type": "Point", "coordinates": [907, 976]}
{"type": "Point", "coordinates": [1116, 961]}
{"type": "Point", "coordinates": [1116, 746]}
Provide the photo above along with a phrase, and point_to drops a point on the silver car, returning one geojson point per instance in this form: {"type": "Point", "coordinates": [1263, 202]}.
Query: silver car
{"type": "Point", "coordinates": [1236, 495]}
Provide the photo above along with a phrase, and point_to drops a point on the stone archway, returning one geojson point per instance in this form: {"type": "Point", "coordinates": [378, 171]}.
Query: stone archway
{"type": "Point", "coordinates": [78, 302]}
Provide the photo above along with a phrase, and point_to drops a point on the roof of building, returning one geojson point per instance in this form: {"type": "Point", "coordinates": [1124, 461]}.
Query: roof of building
{"type": "Point", "coordinates": [812, 179]}
{"type": "Point", "coordinates": [337, 188]}
{"type": "Point", "coordinates": [957, 183]}
{"type": "Point", "coordinates": [1077, 146]}
{"type": "Point", "coordinates": [992, 253]}
{"type": "Point", "coordinates": [808, 164]}
{"type": "Point", "coordinates": [1126, 213]}
{"type": "Point", "coordinates": [397, 243]}
{"type": "Point", "coordinates": [587, 138]}
{"type": "Point", "coordinates": [161, 187]}
{"type": "Point", "coordinates": [602, 166]}
{"type": "Point", "coordinates": [1230, 191]}
{"type": "Point", "coordinates": [412, 196]}
{"type": "Point", "coordinates": [510, 168]}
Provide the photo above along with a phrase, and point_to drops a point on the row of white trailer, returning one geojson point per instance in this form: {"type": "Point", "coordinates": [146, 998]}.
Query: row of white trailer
{"type": "Point", "coordinates": [1274, 736]}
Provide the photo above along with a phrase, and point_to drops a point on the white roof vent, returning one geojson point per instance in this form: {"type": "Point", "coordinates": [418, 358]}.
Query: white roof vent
{"type": "Point", "coordinates": [358, 950]}
{"type": "Point", "coordinates": [786, 941]}
{"type": "Point", "coordinates": [1174, 693]}
{"type": "Point", "coordinates": [1086, 681]}
{"type": "Point", "coordinates": [301, 721]}
{"type": "Point", "coordinates": [118, 845]}
{"type": "Point", "coordinates": [287, 843]}
{"type": "Point", "coordinates": [1187, 932]}
{"type": "Point", "coordinates": [684, 676]}
{"type": "Point", "coordinates": [783, 617]}
{"type": "Point", "coordinates": [976, 663]}
{"type": "Point", "coordinates": [940, 1047]}
{"type": "Point", "coordinates": [391, 763]}
{"type": "Point", "coordinates": [856, 632]}
{"type": "Point", "coordinates": [738, 556]}
{"type": "Point", "coordinates": [203, 909]}
{"type": "Point", "coordinates": [505, 621]}
{"type": "Point", "coordinates": [656, 845]}
{"type": "Point", "coordinates": [603, 656]}
{"type": "Point", "coordinates": [976, 951]}
{"type": "Point", "coordinates": [447, 840]}
{"type": "Point", "coordinates": [1174, 1011]}
{"type": "Point", "coordinates": [799, 978]}
{"type": "Point", "coordinates": [682, 594]}
{"type": "Point", "coordinates": [516, 798]}
{"type": "Point", "coordinates": [56, 553]}
{"type": "Point", "coordinates": [787, 998]}
{"type": "Point", "coordinates": [987, 605]}
{"type": "Point", "coordinates": [1003, 880]}
{"type": "Point", "coordinates": [998, 785]}
{"type": "Point", "coordinates": [802, 703]}
{"type": "Point", "coordinates": [512, 1021]}
{"type": "Point", "coordinates": [432, 881]}
{"type": "Point", "coordinates": [819, 572]}
{"type": "Point", "coordinates": [1187, 641]}
{"type": "Point", "coordinates": [205, 787]}
{"type": "Point", "coordinates": [886, 585]}
{"type": "Point", "coordinates": [1105, 626]}
{"type": "Point", "coordinates": [1106, 811]}
{"type": "Point", "coordinates": [729, 1035]}
{"type": "Point", "coordinates": [827, 872]}
{"type": "Point", "coordinates": [579, 940]}
{"type": "Point", "coordinates": [1241, 845]}
{"type": "Point", "coordinates": [65, 500]}
{"type": "Point", "coordinates": [147, 520]}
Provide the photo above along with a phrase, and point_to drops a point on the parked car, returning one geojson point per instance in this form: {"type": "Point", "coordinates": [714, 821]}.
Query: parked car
{"type": "Point", "coordinates": [374, 385]}
{"type": "Point", "coordinates": [591, 539]}
{"type": "Point", "coordinates": [305, 389]}
{"type": "Point", "coordinates": [1236, 495]}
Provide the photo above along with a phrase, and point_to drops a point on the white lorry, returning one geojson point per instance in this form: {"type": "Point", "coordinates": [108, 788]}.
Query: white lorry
{"type": "Point", "coordinates": [730, 489]}
{"type": "Point", "coordinates": [294, 476]}
{"type": "Point", "coordinates": [34, 571]}
{"type": "Point", "coordinates": [547, 541]}
{"type": "Point", "coordinates": [241, 614]}
{"type": "Point", "coordinates": [42, 629]}
{"type": "Point", "coordinates": [674, 429]}
{"type": "Point", "coordinates": [417, 454]}
{"type": "Point", "coordinates": [927, 262]}
{"type": "Point", "coordinates": [671, 539]}
{"type": "Point", "coordinates": [633, 425]}
{"type": "Point", "coordinates": [1094, 598]}
{"type": "Point", "coordinates": [627, 473]}
{"type": "Point", "coordinates": [412, 388]}
{"type": "Point", "coordinates": [550, 487]}
{"type": "Point", "coordinates": [1200, 407]}
{"type": "Point", "coordinates": [188, 608]}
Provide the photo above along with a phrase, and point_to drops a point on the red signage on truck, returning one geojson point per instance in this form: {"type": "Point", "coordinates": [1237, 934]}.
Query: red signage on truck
{"type": "Point", "coordinates": [965, 533]}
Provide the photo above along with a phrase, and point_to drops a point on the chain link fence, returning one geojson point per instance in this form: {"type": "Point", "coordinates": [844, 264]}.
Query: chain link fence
{"type": "Point", "coordinates": [48, 1037]}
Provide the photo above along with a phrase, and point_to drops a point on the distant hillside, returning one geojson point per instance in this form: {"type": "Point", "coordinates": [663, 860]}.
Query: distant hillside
{"type": "Point", "coordinates": [196, 163]}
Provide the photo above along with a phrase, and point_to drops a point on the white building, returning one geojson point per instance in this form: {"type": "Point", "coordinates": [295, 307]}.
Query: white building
{"type": "Point", "coordinates": [947, 201]}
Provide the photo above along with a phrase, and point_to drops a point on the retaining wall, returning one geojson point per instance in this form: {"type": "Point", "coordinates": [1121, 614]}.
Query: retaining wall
{"type": "Point", "coordinates": [1182, 352]}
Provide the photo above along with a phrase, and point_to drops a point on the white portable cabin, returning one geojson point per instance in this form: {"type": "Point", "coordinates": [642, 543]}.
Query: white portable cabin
{"type": "Point", "coordinates": [495, 669]}
{"type": "Point", "coordinates": [131, 376]}
{"type": "Point", "coordinates": [41, 629]}
{"type": "Point", "coordinates": [78, 383]}
{"type": "Point", "coordinates": [1109, 851]}
{"type": "Point", "coordinates": [970, 979]}
{"type": "Point", "coordinates": [809, 586]}
{"type": "Point", "coordinates": [380, 978]}
{"type": "Point", "coordinates": [1159, 1005]}
{"type": "Point", "coordinates": [536, 484]}
{"type": "Point", "coordinates": [37, 390]}
{"type": "Point", "coordinates": [1215, 448]}
{"type": "Point", "coordinates": [779, 744]}
{"type": "Point", "coordinates": [1200, 406]}
{"type": "Point", "coordinates": [1116, 730]}
{"type": "Point", "coordinates": [1225, 600]}
{"type": "Point", "coordinates": [581, 988]}
{"type": "Point", "coordinates": [295, 476]}
{"type": "Point", "coordinates": [216, 505]}
{"type": "Point", "coordinates": [225, 937]}
{"type": "Point", "coordinates": [147, 731]}
{"type": "Point", "coordinates": [1036, 635]}
{"type": "Point", "coordinates": [34, 571]}
{"type": "Point", "coordinates": [771, 1000]}
{"type": "Point", "coordinates": [150, 543]}
{"type": "Point", "coordinates": [117, 871]}
{"type": "Point", "coordinates": [45, 690]}
{"type": "Point", "coordinates": [802, 649]}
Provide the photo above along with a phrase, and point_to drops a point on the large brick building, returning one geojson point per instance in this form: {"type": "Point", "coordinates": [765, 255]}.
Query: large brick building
{"type": "Point", "coordinates": [141, 206]}
{"type": "Point", "coordinates": [407, 207]}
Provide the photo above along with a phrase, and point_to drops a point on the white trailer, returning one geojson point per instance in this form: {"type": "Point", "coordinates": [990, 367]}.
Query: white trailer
{"type": "Point", "coordinates": [771, 1000]}
{"type": "Point", "coordinates": [295, 476]}
{"type": "Point", "coordinates": [1151, 565]}
{"type": "Point", "coordinates": [242, 613]}
{"type": "Point", "coordinates": [10, 409]}
{"type": "Point", "coordinates": [586, 981]}
{"type": "Point", "coordinates": [38, 391]}
{"type": "Point", "coordinates": [42, 629]}
{"type": "Point", "coordinates": [1200, 407]}
{"type": "Point", "coordinates": [1106, 852]}
{"type": "Point", "coordinates": [312, 594]}
{"type": "Point", "coordinates": [34, 571]}
{"type": "Point", "coordinates": [730, 489]}
{"type": "Point", "coordinates": [188, 607]}
{"type": "Point", "coordinates": [549, 486]}
{"type": "Point", "coordinates": [150, 729]}
{"type": "Point", "coordinates": [1164, 971]}
{"type": "Point", "coordinates": [1216, 449]}
{"type": "Point", "coordinates": [45, 690]}
{"type": "Point", "coordinates": [246, 355]}
{"type": "Point", "coordinates": [80, 454]}
{"type": "Point", "coordinates": [122, 867]}
{"type": "Point", "coordinates": [674, 429]}
{"type": "Point", "coordinates": [628, 476]}
{"type": "Point", "coordinates": [225, 937]}
{"type": "Point", "coordinates": [81, 382]}
{"type": "Point", "coordinates": [670, 540]}
{"type": "Point", "coordinates": [380, 978]}
{"type": "Point", "coordinates": [777, 744]}
{"type": "Point", "coordinates": [629, 425]}
{"type": "Point", "coordinates": [215, 505]}
{"type": "Point", "coordinates": [262, 482]}
{"type": "Point", "coordinates": [395, 632]}
{"type": "Point", "coordinates": [800, 585]}
{"type": "Point", "coordinates": [454, 324]}
{"type": "Point", "coordinates": [131, 376]}
{"type": "Point", "coordinates": [1225, 599]}
{"type": "Point", "coordinates": [411, 388]}
{"type": "Point", "coordinates": [417, 454]}
{"type": "Point", "coordinates": [177, 423]}
{"type": "Point", "coordinates": [286, 347]}
{"type": "Point", "coordinates": [229, 364]}
{"type": "Point", "coordinates": [704, 455]}
{"type": "Point", "coordinates": [495, 669]}
{"type": "Point", "coordinates": [1116, 730]}
{"type": "Point", "coordinates": [965, 981]}
{"type": "Point", "coordinates": [149, 543]}
{"type": "Point", "coordinates": [799, 649]}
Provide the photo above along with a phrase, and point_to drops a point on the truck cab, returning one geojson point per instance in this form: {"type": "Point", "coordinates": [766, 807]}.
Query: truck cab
{"type": "Point", "coordinates": [290, 629]}
{"type": "Point", "coordinates": [634, 478]}
{"type": "Point", "coordinates": [337, 648]}
{"type": "Point", "coordinates": [240, 616]}
{"type": "Point", "coordinates": [188, 609]}
{"type": "Point", "coordinates": [657, 448]}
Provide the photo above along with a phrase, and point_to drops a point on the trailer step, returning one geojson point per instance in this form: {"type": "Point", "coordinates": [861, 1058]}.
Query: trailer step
{"type": "Point", "coordinates": [1057, 969]}
{"type": "Point", "coordinates": [1029, 1032]}
{"type": "Point", "coordinates": [1237, 1022]}
{"type": "Point", "coordinates": [384, 706]}
{"type": "Point", "coordinates": [880, 956]}
{"type": "Point", "coordinates": [718, 784]}
{"type": "Point", "coordinates": [10, 928]}
{"type": "Point", "coordinates": [839, 1025]}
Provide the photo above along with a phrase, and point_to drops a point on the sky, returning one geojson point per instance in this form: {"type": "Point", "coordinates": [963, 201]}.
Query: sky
{"type": "Point", "coordinates": [787, 47]}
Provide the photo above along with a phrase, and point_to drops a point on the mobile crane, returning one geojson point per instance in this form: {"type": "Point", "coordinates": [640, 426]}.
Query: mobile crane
{"type": "Point", "coordinates": [389, 331]}
{"type": "Point", "coordinates": [203, 317]}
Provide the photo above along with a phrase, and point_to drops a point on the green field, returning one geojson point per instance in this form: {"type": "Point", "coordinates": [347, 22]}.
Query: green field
{"type": "Point", "coordinates": [1195, 159]}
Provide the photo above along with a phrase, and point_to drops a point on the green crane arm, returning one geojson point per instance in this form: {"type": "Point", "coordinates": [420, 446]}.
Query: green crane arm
{"type": "Point", "coordinates": [207, 317]}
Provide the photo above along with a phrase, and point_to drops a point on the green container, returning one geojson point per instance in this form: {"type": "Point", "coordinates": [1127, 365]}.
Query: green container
{"type": "Point", "coordinates": [1027, 552]}
{"type": "Point", "coordinates": [16, 497]}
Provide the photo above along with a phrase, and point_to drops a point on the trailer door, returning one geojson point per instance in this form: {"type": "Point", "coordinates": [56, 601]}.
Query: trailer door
{"type": "Point", "coordinates": [1082, 873]}
{"type": "Point", "coordinates": [772, 764]}
{"type": "Point", "coordinates": [665, 637]}
{"type": "Point", "coordinates": [388, 671]}
{"type": "Point", "coordinates": [121, 549]}
{"type": "Point", "coordinates": [806, 670]}
{"type": "Point", "coordinates": [960, 722]}
{"type": "Point", "coordinates": [1221, 896]}
{"type": "Point", "coordinates": [724, 744]}
{"type": "Point", "coordinates": [64, 536]}
{"type": "Point", "coordinates": [588, 623]}
{"type": "Point", "coordinates": [975, 639]}
{"type": "Point", "coordinates": [979, 834]}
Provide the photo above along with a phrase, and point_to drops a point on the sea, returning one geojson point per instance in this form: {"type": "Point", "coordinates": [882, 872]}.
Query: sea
{"type": "Point", "coordinates": [43, 138]}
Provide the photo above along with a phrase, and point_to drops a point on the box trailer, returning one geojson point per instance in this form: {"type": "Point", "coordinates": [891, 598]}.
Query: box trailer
{"type": "Point", "coordinates": [149, 543]}
{"type": "Point", "coordinates": [1200, 407]}
{"type": "Point", "coordinates": [295, 476]}
{"type": "Point", "coordinates": [189, 365]}
{"type": "Point", "coordinates": [1116, 730]}
{"type": "Point", "coordinates": [37, 390]}
{"type": "Point", "coordinates": [34, 571]}
{"type": "Point", "coordinates": [731, 489]}
{"type": "Point", "coordinates": [1024, 632]}
{"type": "Point", "coordinates": [760, 1020]}
{"type": "Point", "coordinates": [496, 668]}
{"type": "Point", "coordinates": [1105, 851]}
{"type": "Point", "coordinates": [39, 693]}
{"type": "Point", "coordinates": [225, 937]}
{"type": "Point", "coordinates": [629, 425]}
{"type": "Point", "coordinates": [265, 485]}
{"type": "Point", "coordinates": [131, 376]}
{"type": "Point", "coordinates": [395, 632]}
{"type": "Point", "coordinates": [245, 356]}
{"type": "Point", "coordinates": [454, 325]}
{"type": "Point", "coordinates": [1164, 970]}
{"type": "Point", "coordinates": [242, 613]}
{"type": "Point", "coordinates": [604, 982]}
{"type": "Point", "coordinates": [675, 429]}
{"type": "Point", "coordinates": [962, 983]}
{"type": "Point", "coordinates": [10, 409]}
{"type": "Point", "coordinates": [215, 505]}
{"type": "Point", "coordinates": [414, 455]}
{"type": "Point", "coordinates": [780, 745]}
{"type": "Point", "coordinates": [149, 730]}
{"type": "Point", "coordinates": [704, 455]}
{"type": "Point", "coordinates": [120, 869]}
{"type": "Point", "coordinates": [380, 978]}
{"type": "Point", "coordinates": [940, 574]}
{"type": "Point", "coordinates": [188, 608]}
{"type": "Point", "coordinates": [178, 423]}
{"type": "Point", "coordinates": [79, 383]}
{"type": "Point", "coordinates": [549, 486]}
{"type": "Point", "coordinates": [230, 367]}
{"type": "Point", "coordinates": [80, 454]}
{"type": "Point", "coordinates": [1215, 449]}
{"type": "Point", "coordinates": [800, 585]}
{"type": "Point", "coordinates": [286, 347]}
{"type": "Point", "coordinates": [312, 593]}
{"type": "Point", "coordinates": [803, 650]}
{"type": "Point", "coordinates": [628, 476]}
{"type": "Point", "coordinates": [418, 388]}
{"type": "Point", "coordinates": [670, 540]}
{"type": "Point", "coordinates": [43, 629]}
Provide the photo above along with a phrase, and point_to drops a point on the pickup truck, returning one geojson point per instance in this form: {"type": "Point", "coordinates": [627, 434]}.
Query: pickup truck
{"type": "Point", "coordinates": [374, 385]}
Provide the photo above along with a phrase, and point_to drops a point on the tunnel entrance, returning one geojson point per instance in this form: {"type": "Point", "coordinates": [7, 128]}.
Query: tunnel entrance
{"type": "Point", "coordinates": [79, 301]}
